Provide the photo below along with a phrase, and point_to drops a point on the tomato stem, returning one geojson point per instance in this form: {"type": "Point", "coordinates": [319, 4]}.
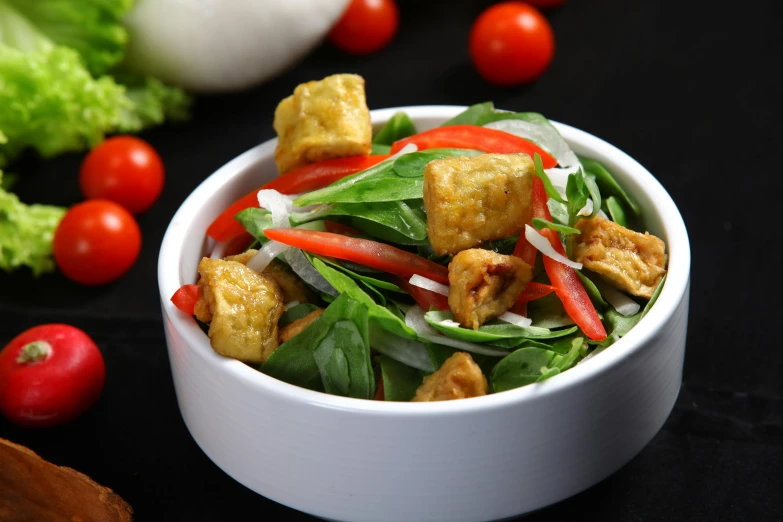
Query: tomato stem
{"type": "Point", "coordinates": [34, 352]}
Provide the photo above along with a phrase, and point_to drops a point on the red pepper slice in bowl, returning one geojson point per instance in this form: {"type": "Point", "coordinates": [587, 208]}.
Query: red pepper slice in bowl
{"type": "Point", "coordinates": [363, 251]}
{"type": "Point", "coordinates": [477, 138]}
{"type": "Point", "coordinates": [304, 179]}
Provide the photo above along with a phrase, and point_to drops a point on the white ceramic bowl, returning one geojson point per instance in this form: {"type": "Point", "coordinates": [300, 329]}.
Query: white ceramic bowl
{"type": "Point", "coordinates": [479, 459]}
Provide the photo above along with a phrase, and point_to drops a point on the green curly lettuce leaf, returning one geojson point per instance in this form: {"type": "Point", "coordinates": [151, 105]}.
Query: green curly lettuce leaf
{"type": "Point", "coordinates": [26, 233]}
{"type": "Point", "coordinates": [92, 27]}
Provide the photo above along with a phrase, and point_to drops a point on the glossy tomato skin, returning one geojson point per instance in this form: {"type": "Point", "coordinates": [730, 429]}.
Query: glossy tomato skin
{"type": "Point", "coordinates": [57, 389]}
{"type": "Point", "coordinates": [366, 26]}
{"type": "Point", "coordinates": [96, 242]}
{"type": "Point", "coordinates": [123, 169]}
{"type": "Point", "coordinates": [511, 43]}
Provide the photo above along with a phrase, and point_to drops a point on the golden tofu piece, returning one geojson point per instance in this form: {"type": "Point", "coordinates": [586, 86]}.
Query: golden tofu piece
{"type": "Point", "coordinates": [294, 289]}
{"type": "Point", "coordinates": [298, 326]}
{"type": "Point", "coordinates": [458, 378]}
{"type": "Point", "coordinates": [470, 200]}
{"type": "Point", "coordinates": [242, 308]}
{"type": "Point", "coordinates": [322, 120]}
{"type": "Point", "coordinates": [629, 260]}
{"type": "Point", "coordinates": [484, 284]}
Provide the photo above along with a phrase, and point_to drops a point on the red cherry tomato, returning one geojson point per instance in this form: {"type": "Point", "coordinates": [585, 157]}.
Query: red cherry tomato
{"type": "Point", "coordinates": [123, 169]}
{"type": "Point", "coordinates": [96, 242]}
{"type": "Point", "coordinates": [511, 43]}
{"type": "Point", "coordinates": [49, 375]}
{"type": "Point", "coordinates": [546, 4]}
{"type": "Point", "coordinates": [366, 26]}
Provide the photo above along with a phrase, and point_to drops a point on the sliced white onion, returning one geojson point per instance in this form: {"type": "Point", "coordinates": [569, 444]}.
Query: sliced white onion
{"type": "Point", "coordinates": [542, 245]}
{"type": "Point", "coordinates": [414, 318]}
{"type": "Point", "coordinates": [291, 304]}
{"type": "Point", "coordinates": [544, 136]}
{"type": "Point", "coordinates": [407, 149]}
{"type": "Point", "coordinates": [219, 250]}
{"type": "Point", "coordinates": [279, 205]}
{"type": "Point", "coordinates": [519, 320]}
{"type": "Point", "coordinates": [429, 284]}
{"type": "Point", "coordinates": [602, 214]}
{"type": "Point", "coordinates": [559, 178]}
{"type": "Point", "coordinates": [587, 209]}
{"type": "Point", "coordinates": [450, 322]}
{"type": "Point", "coordinates": [407, 351]}
{"type": "Point", "coordinates": [265, 255]}
{"type": "Point", "coordinates": [621, 302]}
{"type": "Point", "coordinates": [308, 273]}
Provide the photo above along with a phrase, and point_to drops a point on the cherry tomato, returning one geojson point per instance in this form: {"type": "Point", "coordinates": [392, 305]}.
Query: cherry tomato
{"type": "Point", "coordinates": [511, 43]}
{"type": "Point", "coordinates": [49, 375]}
{"type": "Point", "coordinates": [366, 26]}
{"type": "Point", "coordinates": [123, 169]}
{"type": "Point", "coordinates": [96, 242]}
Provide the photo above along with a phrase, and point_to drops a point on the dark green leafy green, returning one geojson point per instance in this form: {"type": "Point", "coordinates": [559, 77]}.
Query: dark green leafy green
{"type": "Point", "coordinates": [332, 354]}
{"type": "Point", "coordinates": [489, 332]}
{"type": "Point", "coordinates": [381, 171]}
{"type": "Point", "coordinates": [483, 113]}
{"type": "Point", "coordinates": [522, 367]}
{"type": "Point", "coordinates": [654, 297]}
{"type": "Point", "coordinates": [398, 127]}
{"type": "Point", "coordinates": [399, 380]}
{"type": "Point", "coordinates": [378, 314]}
{"type": "Point", "coordinates": [412, 165]}
{"type": "Point", "coordinates": [616, 211]}
{"type": "Point", "coordinates": [296, 312]}
{"type": "Point", "coordinates": [371, 281]}
{"type": "Point", "coordinates": [548, 312]}
{"type": "Point", "coordinates": [255, 221]}
{"type": "Point", "coordinates": [368, 191]}
{"type": "Point", "coordinates": [563, 229]}
{"type": "Point", "coordinates": [608, 184]}
{"type": "Point", "coordinates": [396, 215]}
{"type": "Point", "coordinates": [406, 351]}
{"type": "Point", "coordinates": [594, 191]}
{"type": "Point", "coordinates": [551, 191]}
{"type": "Point", "coordinates": [377, 148]}
{"type": "Point", "coordinates": [383, 233]}
{"type": "Point", "coordinates": [592, 291]}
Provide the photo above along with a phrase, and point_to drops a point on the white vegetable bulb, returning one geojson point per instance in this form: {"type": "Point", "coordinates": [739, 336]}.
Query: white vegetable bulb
{"type": "Point", "coordinates": [225, 45]}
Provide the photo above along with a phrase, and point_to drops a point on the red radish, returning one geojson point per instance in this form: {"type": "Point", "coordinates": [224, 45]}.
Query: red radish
{"type": "Point", "coordinates": [50, 375]}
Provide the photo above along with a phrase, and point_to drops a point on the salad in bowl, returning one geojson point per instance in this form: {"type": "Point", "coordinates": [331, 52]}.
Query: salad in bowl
{"type": "Point", "coordinates": [472, 258]}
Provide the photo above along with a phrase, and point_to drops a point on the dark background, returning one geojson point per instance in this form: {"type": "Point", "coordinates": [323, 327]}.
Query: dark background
{"type": "Point", "coordinates": [683, 87]}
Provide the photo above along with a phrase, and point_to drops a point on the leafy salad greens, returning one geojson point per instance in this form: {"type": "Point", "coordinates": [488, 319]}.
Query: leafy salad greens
{"type": "Point", "coordinates": [63, 89]}
{"type": "Point", "coordinates": [383, 332]}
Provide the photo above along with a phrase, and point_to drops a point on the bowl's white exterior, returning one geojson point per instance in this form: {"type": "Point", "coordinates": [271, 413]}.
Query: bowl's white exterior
{"type": "Point", "coordinates": [477, 459]}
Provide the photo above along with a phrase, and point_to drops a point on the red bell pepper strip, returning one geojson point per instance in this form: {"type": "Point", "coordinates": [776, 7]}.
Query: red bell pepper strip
{"type": "Point", "coordinates": [474, 137]}
{"type": "Point", "coordinates": [532, 292]}
{"type": "Point", "coordinates": [185, 298]}
{"type": "Point", "coordinates": [304, 179]}
{"type": "Point", "coordinates": [567, 285]}
{"type": "Point", "coordinates": [363, 251]}
{"type": "Point", "coordinates": [423, 297]}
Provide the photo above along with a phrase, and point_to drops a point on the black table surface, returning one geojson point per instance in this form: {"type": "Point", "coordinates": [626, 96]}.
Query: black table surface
{"type": "Point", "coordinates": [683, 87]}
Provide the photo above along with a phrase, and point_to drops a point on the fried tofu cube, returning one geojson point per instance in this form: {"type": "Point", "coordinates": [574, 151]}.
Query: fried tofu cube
{"type": "Point", "coordinates": [242, 308]}
{"type": "Point", "coordinates": [470, 200]}
{"type": "Point", "coordinates": [294, 289]}
{"type": "Point", "coordinates": [458, 378]}
{"type": "Point", "coordinates": [627, 259]}
{"type": "Point", "coordinates": [484, 284]}
{"type": "Point", "coordinates": [298, 326]}
{"type": "Point", "coordinates": [323, 120]}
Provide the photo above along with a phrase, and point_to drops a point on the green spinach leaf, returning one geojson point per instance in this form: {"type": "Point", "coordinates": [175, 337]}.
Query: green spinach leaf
{"type": "Point", "coordinates": [563, 229]}
{"type": "Point", "coordinates": [255, 221]}
{"type": "Point", "coordinates": [489, 332]}
{"type": "Point", "coordinates": [616, 211]}
{"type": "Point", "coordinates": [400, 382]}
{"type": "Point", "coordinates": [295, 313]}
{"type": "Point", "coordinates": [412, 165]}
{"type": "Point", "coordinates": [522, 367]}
{"type": "Point", "coordinates": [608, 184]}
{"type": "Point", "coordinates": [398, 127]}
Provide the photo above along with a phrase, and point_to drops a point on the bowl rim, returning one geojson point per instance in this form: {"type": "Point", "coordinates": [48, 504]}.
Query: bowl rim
{"type": "Point", "coordinates": [674, 290]}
